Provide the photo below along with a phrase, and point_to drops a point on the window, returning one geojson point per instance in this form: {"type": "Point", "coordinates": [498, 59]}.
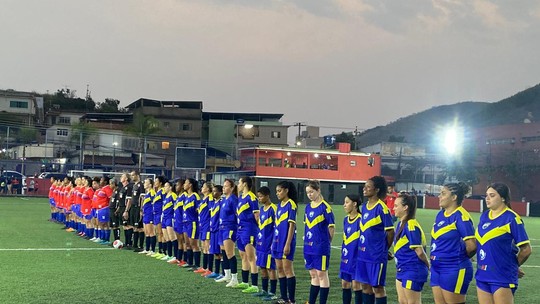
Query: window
{"type": "Point", "coordinates": [530, 138]}
{"type": "Point", "coordinates": [62, 132]}
{"type": "Point", "coordinates": [64, 120]}
{"type": "Point", "coordinates": [18, 104]}
{"type": "Point", "coordinates": [275, 134]}
{"type": "Point", "coordinates": [501, 141]}
{"type": "Point", "coordinates": [185, 127]}
{"type": "Point", "coordinates": [166, 124]}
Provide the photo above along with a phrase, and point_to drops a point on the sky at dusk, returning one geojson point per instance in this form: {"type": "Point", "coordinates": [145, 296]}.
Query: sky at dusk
{"type": "Point", "coordinates": [331, 63]}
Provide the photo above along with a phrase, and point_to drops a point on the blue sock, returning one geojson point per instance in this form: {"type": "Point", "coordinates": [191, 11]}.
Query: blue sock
{"type": "Point", "coordinates": [108, 235]}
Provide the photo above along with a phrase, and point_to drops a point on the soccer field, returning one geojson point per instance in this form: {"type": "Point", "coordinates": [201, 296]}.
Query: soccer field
{"type": "Point", "coordinates": [41, 263]}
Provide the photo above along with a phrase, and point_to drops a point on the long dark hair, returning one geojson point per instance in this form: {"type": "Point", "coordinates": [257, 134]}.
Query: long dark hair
{"type": "Point", "coordinates": [291, 193]}
{"type": "Point", "coordinates": [249, 182]}
{"type": "Point", "coordinates": [194, 185]}
{"type": "Point", "coordinates": [231, 182]}
{"type": "Point", "coordinates": [380, 183]}
{"type": "Point", "coordinates": [409, 201]}
{"type": "Point", "coordinates": [355, 198]}
{"type": "Point", "coordinates": [503, 191]}
{"type": "Point", "coordinates": [459, 189]}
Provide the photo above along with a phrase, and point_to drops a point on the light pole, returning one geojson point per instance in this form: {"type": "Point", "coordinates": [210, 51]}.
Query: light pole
{"type": "Point", "coordinates": [114, 144]}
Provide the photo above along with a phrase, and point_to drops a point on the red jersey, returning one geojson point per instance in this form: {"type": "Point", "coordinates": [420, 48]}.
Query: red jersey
{"type": "Point", "coordinates": [390, 201]}
{"type": "Point", "coordinates": [86, 199]}
{"type": "Point", "coordinates": [103, 196]}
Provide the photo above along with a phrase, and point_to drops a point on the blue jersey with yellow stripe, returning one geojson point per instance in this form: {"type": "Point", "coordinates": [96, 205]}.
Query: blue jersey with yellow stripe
{"type": "Point", "coordinates": [190, 207]}
{"type": "Point", "coordinates": [248, 205]}
{"type": "Point", "coordinates": [406, 241]}
{"type": "Point", "coordinates": [498, 239]}
{"type": "Point", "coordinates": [147, 207]}
{"type": "Point", "coordinates": [448, 236]}
{"type": "Point", "coordinates": [227, 213]}
{"type": "Point", "coordinates": [349, 247]}
{"type": "Point", "coordinates": [204, 210]}
{"type": "Point", "coordinates": [158, 202]}
{"type": "Point", "coordinates": [215, 206]}
{"type": "Point", "coordinates": [285, 214]}
{"type": "Point", "coordinates": [317, 219]}
{"type": "Point", "coordinates": [168, 205]}
{"type": "Point", "coordinates": [266, 228]}
{"type": "Point", "coordinates": [373, 246]}
{"type": "Point", "coordinates": [179, 207]}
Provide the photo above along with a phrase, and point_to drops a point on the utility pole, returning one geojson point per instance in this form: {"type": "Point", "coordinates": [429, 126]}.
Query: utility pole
{"type": "Point", "coordinates": [299, 125]}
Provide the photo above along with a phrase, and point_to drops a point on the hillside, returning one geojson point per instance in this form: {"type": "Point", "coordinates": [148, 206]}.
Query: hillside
{"type": "Point", "coordinates": [421, 127]}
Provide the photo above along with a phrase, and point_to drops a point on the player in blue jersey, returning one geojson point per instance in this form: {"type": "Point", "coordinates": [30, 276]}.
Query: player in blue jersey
{"type": "Point", "coordinates": [349, 249]}
{"type": "Point", "coordinates": [214, 248]}
{"type": "Point", "coordinates": [452, 246]}
{"type": "Point", "coordinates": [228, 225]}
{"type": "Point", "coordinates": [169, 236]}
{"type": "Point", "coordinates": [503, 246]}
{"type": "Point", "coordinates": [191, 226]}
{"type": "Point", "coordinates": [203, 211]}
{"type": "Point", "coordinates": [178, 220]}
{"type": "Point", "coordinates": [409, 248]}
{"type": "Point", "coordinates": [248, 217]}
{"type": "Point", "coordinates": [159, 182]}
{"type": "Point", "coordinates": [265, 235]}
{"type": "Point", "coordinates": [284, 245]}
{"type": "Point", "coordinates": [148, 217]}
{"type": "Point", "coordinates": [319, 227]}
{"type": "Point", "coordinates": [376, 237]}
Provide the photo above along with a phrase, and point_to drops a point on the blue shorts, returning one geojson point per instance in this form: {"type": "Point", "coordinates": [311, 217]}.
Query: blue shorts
{"type": "Point", "coordinates": [204, 233]}
{"type": "Point", "coordinates": [76, 209]}
{"type": "Point", "coordinates": [345, 276]}
{"type": "Point", "coordinates": [166, 222]}
{"type": "Point", "coordinates": [244, 239]}
{"type": "Point", "coordinates": [317, 261]}
{"type": "Point", "coordinates": [455, 280]}
{"type": "Point", "coordinates": [103, 215]}
{"type": "Point", "coordinates": [157, 218]}
{"type": "Point", "coordinates": [490, 287]}
{"type": "Point", "coordinates": [94, 213]}
{"type": "Point", "coordinates": [178, 226]}
{"type": "Point", "coordinates": [373, 274]}
{"type": "Point", "coordinates": [148, 218]}
{"type": "Point", "coordinates": [412, 285]}
{"type": "Point", "coordinates": [227, 235]}
{"type": "Point", "coordinates": [87, 217]}
{"type": "Point", "coordinates": [214, 243]}
{"type": "Point", "coordinates": [52, 202]}
{"type": "Point", "coordinates": [265, 260]}
{"type": "Point", "coordinates": [192, 230]}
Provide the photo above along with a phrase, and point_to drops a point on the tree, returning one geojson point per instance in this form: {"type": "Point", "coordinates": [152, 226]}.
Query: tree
{"type": "Point", "coordinates": [141, 127]}
{"type": "Point", "coordinates": [67, 99]}
{"type": "Point", "coordinates": [110, 105]}
{"type": "Point", "coordinates": [346, 138]}
{"type": "Point", "coordinates": [27, 135]}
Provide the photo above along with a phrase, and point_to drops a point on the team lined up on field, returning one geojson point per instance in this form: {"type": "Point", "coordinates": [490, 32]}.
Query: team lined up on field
{"type": "Point", "coordinates": [183, 224]}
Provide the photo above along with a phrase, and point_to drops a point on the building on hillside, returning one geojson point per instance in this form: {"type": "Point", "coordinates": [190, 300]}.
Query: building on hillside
{"type": "Point", "coordinates": [341, 171]}
{"type": "Point", "coordinates": [509, 154]}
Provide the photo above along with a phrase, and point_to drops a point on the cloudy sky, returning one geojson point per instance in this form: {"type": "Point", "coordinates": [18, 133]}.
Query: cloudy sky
{"type": "Point", "coordinates": [331, 63]}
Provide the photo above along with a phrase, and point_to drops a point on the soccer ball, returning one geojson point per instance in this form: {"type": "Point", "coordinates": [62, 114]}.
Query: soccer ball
{"type": "Point", "coordinates": [118, 244]}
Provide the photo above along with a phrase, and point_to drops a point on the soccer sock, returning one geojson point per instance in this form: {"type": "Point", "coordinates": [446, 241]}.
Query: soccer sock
{"type": "Point", "coordinates": [129, 234]}
{"type": "Point", "coordinates": [291, 286]}
{"type": "Point", "coordinates": [169, 248]}
{"type": "Point", "coordinates": [210, 259]}
{"type": "Point", "coordinates": [346, 295]}
{"type": "Point", "coordinates": [324, 295]}
{"type": "Point", "coordinates": [232, 263]}
{"type": "Point", "coordinates": [190, 256]}
{"type": "Point", "coordinates": [226, 264]}
{"type": "Point", "coordinates": [197, 258]}
{"type": "Point", "coordinates": [218, 265]}
{"type": "Point", "coordinates": [368, 298]}
{"type": "Point", "coordinates": [273, 286]}
{"type": "Point", "coordinates": [175, 248]}
{"type": "Point", "coordinates": [153, 243]}
{"type": "Point", "coordinates": [245, 276]}
{"type": "Point", "coordinates": [148, 243]}
{"type": "Point", "coordinates": [126, 237]}
{"type": "Point", "coordinates": [116, 234]}
{"type": "Point", "coordinates": [181, 254]}
{"type": "Point", "coordinates": [141, 239]}
{"type": "Point", "coordinates": [91, 233]}
{"type": "Point", "coordinates": [264, 283]}
{"type": "Point", "coordinates": [160, 246]}
{"type": "Point", "coordinates": [382, 300]}
{"type": "Point", "coordinates": [135, 238]}
{"type": "Point", "coordinates": [283, 288]}
{"type": "Point", "coordinates": [358, 297]}
{"type": "Point", "coordinates": [205, 261]}
{"type": "Point", "coordinates": [98, 234]}
{"type": "Point", "coordinates": [254, 279]}
{"type": "Point", "coordinates": [313, 293]}
{"type": "Point", "coordinates": [108, 235]}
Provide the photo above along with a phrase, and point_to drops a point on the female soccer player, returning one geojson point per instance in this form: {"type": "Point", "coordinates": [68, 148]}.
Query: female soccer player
{"type": "Point", "coordinates": [190, 222]}
{"type": "Point", "coordinates": [248, 217]}
{"type": "Point", "coordinates": [228, 225]}
{"type": "Point", "coordinates": [410, 256]}
{"type": "Point", "coordinates": [203, 211]}
{"type": "Point", "coordinates": [179, 220]}
{"type": "Point", "coordinates": [349, 249]}
{"type": "Point", "coordinates": [503, 246]}
{"type": "Point", "coordinates": [86, 206]}
{"type": "Point", "coordinates": [265, 235]}
{"type": "Point", "coordinates": [318, 233]}
{"type": "Point", "coordinates": [452, 246]}
{"type": "Point", "coordinates": [157, 204]}
{"type": "Point", "coordinates": [215, 248]}
{"type": "Point", "coordinates": [284, 245]}
{"type": "Point", "coordinates": [376, 236]}
{"type": "Point", "coordinates": [169, 236]}
{"type": "Point", "coordinates": [147, 210]}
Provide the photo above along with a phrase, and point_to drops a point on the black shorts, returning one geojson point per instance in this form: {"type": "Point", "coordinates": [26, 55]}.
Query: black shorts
{"type": "Point", "coordinates": [114, 218]}
{"type": "Point", "coordinates": [135, 217]}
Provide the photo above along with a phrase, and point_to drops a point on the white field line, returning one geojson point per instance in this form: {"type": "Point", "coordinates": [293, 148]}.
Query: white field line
{"type": "Point", "coordinates": [53, 249]}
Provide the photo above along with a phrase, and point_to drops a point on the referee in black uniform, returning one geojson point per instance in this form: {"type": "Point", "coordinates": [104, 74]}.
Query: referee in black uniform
{"type": "Point", "coordinates": [133, 208]}
{"type": "Point", "coordinates": [124, 192]}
